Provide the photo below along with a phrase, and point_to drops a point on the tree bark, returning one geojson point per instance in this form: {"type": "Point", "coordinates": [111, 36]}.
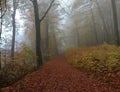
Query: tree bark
{"type": "Point", "coordinates": [47, 39]}
{"type": "Point", "coordinates": [14, 30]}
{"type": "Point", "coordinates": [38, 34]}
{"type": "Point", "coordinates": [0, 44]}
{"type": "Point", "coordinates": [47, 33]}
{"type": "Point", "coordinates": [0, 61]}
{"type": "Point", "coordinates": [115, 20]}
{"type": "Point", "coordinates": [38, 29]}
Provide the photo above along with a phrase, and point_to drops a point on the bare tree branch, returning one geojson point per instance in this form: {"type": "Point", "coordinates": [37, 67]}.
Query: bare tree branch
{"type": "Point", "coordinates": [47, 10]}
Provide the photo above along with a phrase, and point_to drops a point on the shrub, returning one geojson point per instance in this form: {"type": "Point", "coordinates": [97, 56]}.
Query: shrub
{"type": "Point", "coordinates": [11, 73]}
{"type": "Point", "coordinates": [24, 63]}
{"type": "Point", "coordinates": [25, 56]}
{"type": "Point", "coordinates": [103, 58]}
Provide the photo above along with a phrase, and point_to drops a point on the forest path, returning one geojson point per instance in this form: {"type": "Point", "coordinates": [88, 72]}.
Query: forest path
{"type": "Point", "coordinates": [58, 76]}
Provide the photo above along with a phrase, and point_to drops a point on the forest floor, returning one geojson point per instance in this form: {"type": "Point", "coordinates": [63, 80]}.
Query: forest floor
{"type": "Point", "coordinates": [58, 76]}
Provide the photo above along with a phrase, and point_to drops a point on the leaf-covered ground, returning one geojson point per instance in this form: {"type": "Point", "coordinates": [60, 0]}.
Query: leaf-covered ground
{"type": "Point", "coordinates": [58, 76]}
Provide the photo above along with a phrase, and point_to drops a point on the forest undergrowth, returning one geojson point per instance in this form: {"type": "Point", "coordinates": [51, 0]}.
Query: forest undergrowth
{"type": "Point", "coordinates": [58, 76]}
{"type": "Point", "coordinates": [92, 69]}
{"type": "Point", "coordinates": [101, 62]}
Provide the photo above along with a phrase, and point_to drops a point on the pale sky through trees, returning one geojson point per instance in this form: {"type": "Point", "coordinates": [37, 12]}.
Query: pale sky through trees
{"type": "Point", "coordinates": [21, 26]}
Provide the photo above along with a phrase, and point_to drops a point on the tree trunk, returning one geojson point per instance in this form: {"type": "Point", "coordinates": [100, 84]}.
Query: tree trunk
{"type": "Point", "coordinates": [0, 61]}
{"type": "Point", "coordinates": [115, 20]}
{"type": "Point", "coordinates": [104, 23]}
{"type": "Point", "coordinates": [78, 36]}
{"type": "Point", "coordinates": [47, 39]}
{"type": "Point", "coordinates": [47, 34]}
{"type": "Point", "coordinates": [94, 25]}
{"type": "Point", "coordinates": [55, 43]}
{"type": "Point", "coordinates": [0, 45]}
{"type": "Point", "coordinates": [0, 36]}
{"type": "Point", "coordinates": [38, 34]}
{"type": "Point", "coordinates": [14, 30]}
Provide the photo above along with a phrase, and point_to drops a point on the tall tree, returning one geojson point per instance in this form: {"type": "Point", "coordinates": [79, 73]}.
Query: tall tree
{"type": "Point", "coordinates": [14, 28]}
{"type": "Point", "coordinates": [115, 20]}
{"type": "Point", "coordinates": [47, 33]}
{"type": "Point", "coordinates": [103, 21]}
{"type": "Point", "coordinates": [2, 13]}
{"type": "Point", "coordinates": [3, 9]}
{"type": "Point", "coordinates": [37, 26]}
{"type": "Point", "coordinates": [94, 24]}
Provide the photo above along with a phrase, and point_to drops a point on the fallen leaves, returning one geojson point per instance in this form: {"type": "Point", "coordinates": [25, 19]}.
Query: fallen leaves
{"type": "Point", "coordinates": [58, 76]}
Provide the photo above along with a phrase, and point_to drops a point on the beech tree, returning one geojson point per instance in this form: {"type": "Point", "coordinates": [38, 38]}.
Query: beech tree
{"type": "Point", "coordinates": [38, 21]}
{"type": "Point", "coordinates": [15, 4]}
